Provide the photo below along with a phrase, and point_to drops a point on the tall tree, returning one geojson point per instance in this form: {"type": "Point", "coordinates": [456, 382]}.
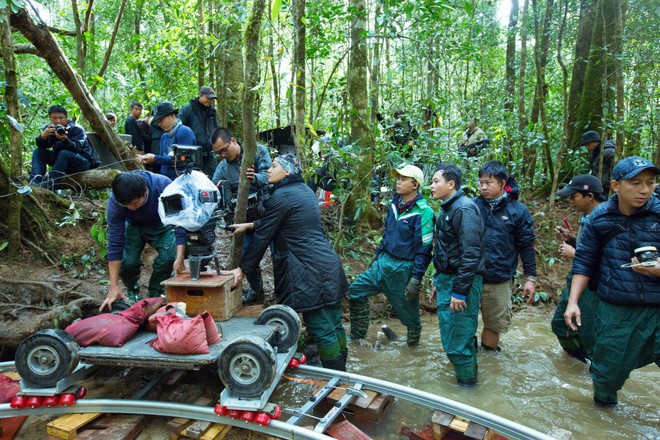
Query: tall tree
{"type": "Point", "coordinates": [299, 86]}
{"type": "Point", "coordinates": [15, 137]}
{"type": "Point", "coordinates": [510, 70]}
{"type": "Point", "coordinates": [250, 92]}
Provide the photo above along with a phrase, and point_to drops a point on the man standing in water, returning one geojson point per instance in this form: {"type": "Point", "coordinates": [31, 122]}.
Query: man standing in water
{"type": "Point", "coordinates": [459, 263]}
{"type": "Point", "coordinates": [508, 234]}
{"type": "Point", "coordinates": [401, 258]}
{"type": "Point", "coordinates": [628, 318]}
{"type": "Point", "coordinates": [586, 193]}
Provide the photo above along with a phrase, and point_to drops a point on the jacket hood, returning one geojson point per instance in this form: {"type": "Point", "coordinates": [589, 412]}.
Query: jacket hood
{"type": "Point", "coordinates": [512, 188]}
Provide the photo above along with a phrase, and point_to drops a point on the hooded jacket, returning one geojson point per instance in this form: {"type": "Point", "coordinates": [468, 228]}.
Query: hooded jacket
{"type": "Point", "coordinates": [508, 233]}
{"type": "Point", "coordinates": [619, 285]}
{"type": "Point", "coordinates": [459, 247]}
{"type": "Point", "coordinates": [308, 273]}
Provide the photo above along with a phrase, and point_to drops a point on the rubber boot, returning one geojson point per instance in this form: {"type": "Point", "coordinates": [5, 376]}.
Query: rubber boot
{"type": "Point", "coordinates": [573, 347]}
{"type": "Point", "coordinates": [487, 348]}
{"type": "Point", "coordinates": [605, 398]}
{"type": "Point", "coordinates": [466, 374]}
{"type": "Point", "coordinates": [414, 333]}
{"type": "Point", "coordinates": [337, 363]}
{"type": "Point", "coordinates": [256, 292]}
{"type": "Point", "coordinates": [344, 354]}
{"type": "Point", "coordinates": [359, 309]}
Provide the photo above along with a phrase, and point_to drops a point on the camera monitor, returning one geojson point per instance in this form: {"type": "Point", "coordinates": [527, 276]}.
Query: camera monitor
{"type": "Point", "coordinates": [187, 157]}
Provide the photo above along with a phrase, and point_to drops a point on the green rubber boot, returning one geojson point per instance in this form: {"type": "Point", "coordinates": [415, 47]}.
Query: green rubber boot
{"type": "Point", "coordinates": [466, 374]}
{"type": "Point", "coordinates": [605, 398]}
{"type": "Point", "coordinates": [414, 334]}
{"type": "Point", "coordinates": [359, 309]}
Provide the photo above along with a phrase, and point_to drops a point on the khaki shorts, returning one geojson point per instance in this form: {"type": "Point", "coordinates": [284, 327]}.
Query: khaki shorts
{"type": "Point", "coordinates": [496, 306]}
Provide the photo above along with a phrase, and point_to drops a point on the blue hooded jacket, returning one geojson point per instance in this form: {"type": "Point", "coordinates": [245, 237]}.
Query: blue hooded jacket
{"type": "Point", "coordinates": [618, 285]}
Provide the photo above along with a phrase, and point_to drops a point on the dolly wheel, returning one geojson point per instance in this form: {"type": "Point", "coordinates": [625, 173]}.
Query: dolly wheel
{"type": "Point", "coordinates": [247, 366]}
{"type": "Point", "coordinates": [46, 357]}
{"type": "Point", "coordinates": [285, 321]}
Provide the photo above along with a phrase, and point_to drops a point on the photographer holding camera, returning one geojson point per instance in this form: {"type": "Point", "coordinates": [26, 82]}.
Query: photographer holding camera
{"type": "Point", "coordinates": [228, 170]}
{"type": "Point", "coordinates": [63, 145]}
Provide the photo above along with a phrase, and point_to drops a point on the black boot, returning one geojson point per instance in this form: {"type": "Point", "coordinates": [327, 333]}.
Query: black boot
{"type": "Point", "coordinates": [256, 292]}
{"type": "Point", "coordinates": [359, 310]}
{"type": "Point", "coordinates": [337, 363]}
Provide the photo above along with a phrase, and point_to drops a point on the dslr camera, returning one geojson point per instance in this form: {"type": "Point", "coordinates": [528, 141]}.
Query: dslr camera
{"type": "Point", "coordinates": [61, 129]}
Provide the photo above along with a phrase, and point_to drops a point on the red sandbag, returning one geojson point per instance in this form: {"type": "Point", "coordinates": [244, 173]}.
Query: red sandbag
{"type": "Point", "coordinates": [106, 329]}
{"type": "Point", "coordinates": [143, 309]}
{"type": "Point", "coordinates": [169, 309]}
{"type": "Point", "coordinates": [8, 388]}
{"type": "Point", "coordinates": [212, 336]}
{"type": "Point", "coordinates": [177, 335]}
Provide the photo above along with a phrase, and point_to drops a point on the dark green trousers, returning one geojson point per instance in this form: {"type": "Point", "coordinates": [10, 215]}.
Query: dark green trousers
{"type": "Point", "coordinates": [163, 241]}
{"type": "Point", "coordinates": [326, 329]}
{"type": "Point", "coordinates": [627, 337]}
{"type": "Point", "coordinates": [579, 344]}
{"type": "Point", "coordinates": [458, 329]}
{"type": "Point", "coordinates": [390, 276]}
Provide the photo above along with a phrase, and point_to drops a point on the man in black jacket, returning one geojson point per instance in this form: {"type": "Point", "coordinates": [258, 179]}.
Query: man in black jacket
{"type": "Point", "coordinates": [63, 145]}
{"type": "Point", "coordinates": [131, 127]}
{"type": "Point", "coordinates": [458, 258]}
{"type": "Point", "coordinates": [508, 234]}
{"type": "Point", "coordinates": [591, 140]}
{"type": "Point", "coordinates": [202, 118]}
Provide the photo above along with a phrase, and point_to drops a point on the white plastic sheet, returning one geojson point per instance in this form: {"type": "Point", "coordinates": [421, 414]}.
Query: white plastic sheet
{"type": "Point", "coordinates": [194, 212]}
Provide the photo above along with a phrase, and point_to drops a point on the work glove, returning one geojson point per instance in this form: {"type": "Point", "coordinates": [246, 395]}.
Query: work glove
{"type": "Point", "coordinates": [412, 290]}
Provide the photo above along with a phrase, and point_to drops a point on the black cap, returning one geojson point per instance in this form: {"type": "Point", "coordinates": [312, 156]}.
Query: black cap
{"type": "Point", "coordinates": [582, 183]}
{"type": "Point", "coordinates": [208, 92]}
{"type": "Point", "coordinates": [589, 136]}
{"type": "Point", "coordinates": [163, 109]}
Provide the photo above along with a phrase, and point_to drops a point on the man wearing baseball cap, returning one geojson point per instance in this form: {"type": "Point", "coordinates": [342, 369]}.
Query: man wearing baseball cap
{"type": "Point", "coordinates": [628, 318]}
{"type": "Point", "coordinates": [591, 140]}
{"type": "Point", "coordinates": [401, 258]}
{"type": "Point", "coordinates": [202, 118]}
{"type": "Point", "coordinates": [586, 193]}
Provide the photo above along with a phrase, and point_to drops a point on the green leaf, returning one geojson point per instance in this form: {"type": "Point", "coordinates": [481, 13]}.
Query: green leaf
{"type": "Point", "coordinates": [275, 10]}
{"type": "Point", "coordinates": [6, 243]}
{"type": "Point", "coordinates": [469, 8]}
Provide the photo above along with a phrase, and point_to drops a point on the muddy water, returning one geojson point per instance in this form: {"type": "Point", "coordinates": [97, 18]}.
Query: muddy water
{"type": "Point", "coordinates": [531, 382]}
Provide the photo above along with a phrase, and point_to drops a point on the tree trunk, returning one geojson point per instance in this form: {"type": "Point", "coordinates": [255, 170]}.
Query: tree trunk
{"type": "Point", "coordinates": [81, 46]}
{"type": "Point", "coordinates": [275, 78]}
{"type": "Point", "coordinates": [510, 85]}
{"type": "Point", "coordinates": [562, 147]}
{"type": "Point", "coordinates": [299, 89]}
{"type": "Point", "coordinates": [522, 114]}
{"type": "Point", "coordinates": [15, 136]}
{"type": "Point", "coordinates": [250, 91]}
{"type": "Point", "coordinates": [619, 24]}
{"type": "Point", "coordinates": [50, 50]}
{"type": "Point", "coordinates": [201, 49]}
{"type": "Point", "coordinates": [111, 45]}
{"type": "Point", "coordinates": [375, 68]}
{"type": "Point", "coordinates": [357, 93]}
{"type": "Point", "coordinates": [582, 49]}
{"type": "Point", "coordinates": [96, 179]}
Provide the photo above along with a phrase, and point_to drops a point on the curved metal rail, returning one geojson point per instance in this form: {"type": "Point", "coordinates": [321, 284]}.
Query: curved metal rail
{"type": "Point", "coordinates": [166, 409]}
{"type": "Point", "coordinates": [499, 424]}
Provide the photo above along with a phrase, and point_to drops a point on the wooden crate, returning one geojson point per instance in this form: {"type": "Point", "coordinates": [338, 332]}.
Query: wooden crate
{"type": "Point", "coordinates": [212, 294]}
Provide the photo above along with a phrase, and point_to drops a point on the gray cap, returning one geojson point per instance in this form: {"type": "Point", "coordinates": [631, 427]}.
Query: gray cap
{"type": "Point", "coordinates": [208, 92]}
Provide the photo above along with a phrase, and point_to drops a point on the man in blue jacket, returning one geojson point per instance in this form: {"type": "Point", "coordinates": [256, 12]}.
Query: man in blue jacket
{"type": "Point", "coordinates": [628, 318]}
{"type": "Point", "coordinates": [174, 133]}
{"type": "Point", "coordinates": [133, 221]}
{"type": "Point", "coordinates": [458, 258]}
{"type": "Point", "coordinates": [401, 258]}
{"type": "Point", "coordinates": [63, 145]}
{"type": "Point", "coordinates": [508, 234]}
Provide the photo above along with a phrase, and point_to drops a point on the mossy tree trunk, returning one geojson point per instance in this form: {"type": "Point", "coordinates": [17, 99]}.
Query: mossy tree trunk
{"type": "Point", "coordinates": [250, 91]}
{"type": "Point", "coordinates": [15, 137]}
